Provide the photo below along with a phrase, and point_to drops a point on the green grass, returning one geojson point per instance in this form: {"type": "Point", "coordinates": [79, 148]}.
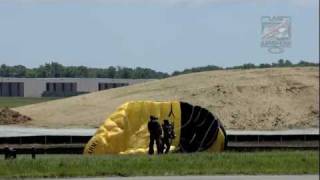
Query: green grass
{"type": "Point", "coordinates": [21, 101]}
{"type": "Point", "coordinates": [275, 162]}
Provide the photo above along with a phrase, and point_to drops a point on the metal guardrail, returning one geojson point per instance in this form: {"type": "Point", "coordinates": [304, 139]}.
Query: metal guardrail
{"type": "Point", "coordinates": [50, 139]}
{"type": "Point", "coordinates": [69, 139]}
{"type": "Point", "coordinates": [54, 144]}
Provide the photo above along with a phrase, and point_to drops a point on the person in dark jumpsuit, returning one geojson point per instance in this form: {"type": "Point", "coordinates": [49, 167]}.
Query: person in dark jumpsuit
{"type": "Point", "coordinates": [155, 131]}
{"type": "Point", "coordinates": [168, 134]}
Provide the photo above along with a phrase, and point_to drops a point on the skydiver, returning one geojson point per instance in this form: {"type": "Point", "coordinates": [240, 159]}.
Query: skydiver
{"type": "Point", "coordinates": [155, 131]}
{"type": "Point", "coordinates": [168, 134]}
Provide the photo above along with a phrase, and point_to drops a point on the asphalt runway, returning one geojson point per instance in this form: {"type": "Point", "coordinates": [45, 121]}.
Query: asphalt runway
{"type": "Point", "coordinates": [237, 177]}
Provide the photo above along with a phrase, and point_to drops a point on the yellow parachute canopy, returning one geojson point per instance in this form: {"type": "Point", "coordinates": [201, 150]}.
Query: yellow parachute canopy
{"type": "Point", "coordinates": [126, 130]}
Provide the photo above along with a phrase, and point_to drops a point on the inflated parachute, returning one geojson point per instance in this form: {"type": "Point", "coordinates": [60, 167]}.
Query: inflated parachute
{"type": "Point", "coordinates": [126, 132]}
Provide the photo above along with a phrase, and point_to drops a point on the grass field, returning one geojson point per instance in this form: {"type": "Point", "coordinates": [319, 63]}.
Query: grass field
{"type": "Point", "coordinates": [21, 101]}
{"type": "Point", "coordinates": [274, 162]}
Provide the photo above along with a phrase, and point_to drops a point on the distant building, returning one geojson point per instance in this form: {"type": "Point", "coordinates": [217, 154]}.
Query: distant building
{"type": "Point", "coordinates": [38, 87]}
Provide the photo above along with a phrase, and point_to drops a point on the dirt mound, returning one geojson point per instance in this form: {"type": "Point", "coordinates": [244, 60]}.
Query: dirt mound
{"type": "Point", "coordinates": [8, 116]}
{"type": "Point", "coordinates": [274, 98]}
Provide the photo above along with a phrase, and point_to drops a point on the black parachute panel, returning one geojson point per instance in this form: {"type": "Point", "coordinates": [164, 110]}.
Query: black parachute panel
{"type": "Point", "coordinates": [199, 128]}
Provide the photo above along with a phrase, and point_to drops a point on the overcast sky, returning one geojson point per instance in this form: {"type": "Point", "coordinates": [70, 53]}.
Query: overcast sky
{"type": "Point", "coordinates": [164, 35]}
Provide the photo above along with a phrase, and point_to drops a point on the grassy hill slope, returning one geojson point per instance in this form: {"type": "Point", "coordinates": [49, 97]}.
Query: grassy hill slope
{"type": "Point", "coordinates": [277, 98]}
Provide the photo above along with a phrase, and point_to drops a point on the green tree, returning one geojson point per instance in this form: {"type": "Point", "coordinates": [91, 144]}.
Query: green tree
{"type": "Point", "coordinates": [288, 63]}
{"type": "Point", "coordinates": [111, 72]}
{"type": "Point", "coordinates": [82, 71]}
{"type": "Point", "coordinates": [31, 73]}
{"type": "Point", "coordinates": [56, 69]}
{"type": "Point", "coordinates": [19, 71]}
{"type": "Point", "coordinates": [281, 63]}
{"type": "Point", "coordinates": [4, 70]}
{"type": "Point", "coordinates": [265, 65]}
{"type": "Point", "coordinates": [248, 66]}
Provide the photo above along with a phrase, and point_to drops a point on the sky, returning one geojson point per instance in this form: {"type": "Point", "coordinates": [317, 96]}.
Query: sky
{"type": "Point", "coordinates": [164, 35]}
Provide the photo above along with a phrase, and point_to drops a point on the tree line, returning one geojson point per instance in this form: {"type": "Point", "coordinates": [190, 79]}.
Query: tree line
{"type": "Point", "coordinates": [280, 63]}
{"type": "Point", "coordinates": [55, 70]}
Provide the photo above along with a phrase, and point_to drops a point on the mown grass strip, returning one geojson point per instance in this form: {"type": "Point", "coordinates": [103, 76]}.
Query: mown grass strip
{"type": "Point", "coordinates": [277, 162]}
{"type": "Point", "coordinates": [11, 102]}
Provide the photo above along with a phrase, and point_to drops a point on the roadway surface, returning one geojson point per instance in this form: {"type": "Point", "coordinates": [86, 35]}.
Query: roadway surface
{"type": "Point", "coordinates": [236, 177]}
{"type": "Point", "coordinates": [19, 131]}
